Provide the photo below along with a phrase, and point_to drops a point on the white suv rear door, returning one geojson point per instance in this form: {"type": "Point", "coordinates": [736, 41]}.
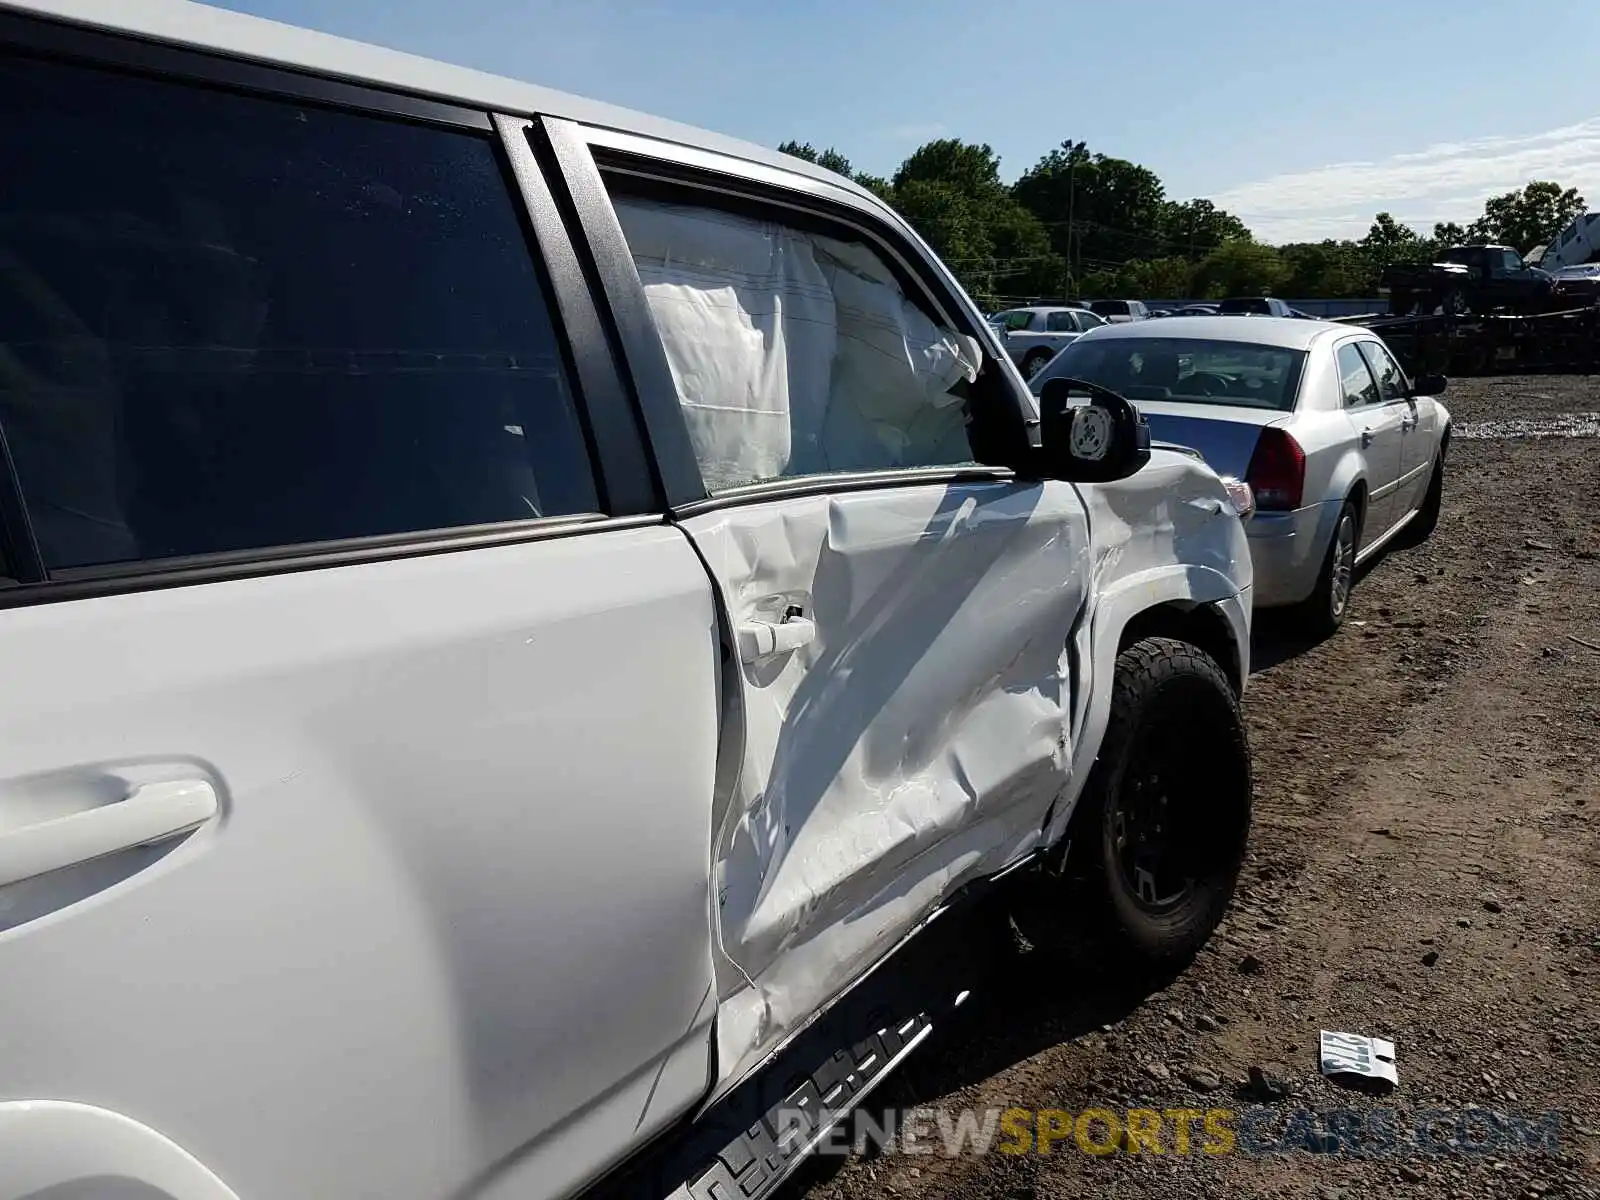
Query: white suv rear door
{"type": "Point", "coordinates": [358, 734]}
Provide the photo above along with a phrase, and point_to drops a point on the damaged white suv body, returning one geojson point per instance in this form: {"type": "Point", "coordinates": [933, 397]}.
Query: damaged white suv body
{"type": "Point", "coordinates": [515, 614]}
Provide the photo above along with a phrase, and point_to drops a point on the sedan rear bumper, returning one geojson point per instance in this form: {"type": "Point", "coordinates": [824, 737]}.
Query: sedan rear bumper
{"type": "Point", "coordinates": [1286, 551]}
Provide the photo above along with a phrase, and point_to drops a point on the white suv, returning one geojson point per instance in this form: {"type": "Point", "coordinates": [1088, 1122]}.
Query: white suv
{"type": "Point", "coordinates": [512, 611]}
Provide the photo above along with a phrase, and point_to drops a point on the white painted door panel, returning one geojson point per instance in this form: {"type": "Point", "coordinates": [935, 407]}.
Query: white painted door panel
{"type": "Point", "coordinates": [912, 739]}
{"type": "Point", "coordinates": [457, 890]}
{"type": "Point", "coordinates": [1378, 433]}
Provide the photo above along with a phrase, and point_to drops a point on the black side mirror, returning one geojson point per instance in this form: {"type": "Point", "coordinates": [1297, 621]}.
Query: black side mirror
{"type": "Point", "coordinates": [1089, 434]}
{"type": "Point", "coordinates": [1429, 385]}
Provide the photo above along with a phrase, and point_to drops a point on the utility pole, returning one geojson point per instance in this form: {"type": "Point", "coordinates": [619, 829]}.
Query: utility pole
{"type": "Point", "coordinates": [1072, 197]}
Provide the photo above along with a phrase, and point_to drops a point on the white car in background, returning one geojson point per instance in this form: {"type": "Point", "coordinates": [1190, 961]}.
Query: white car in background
{"type": "Point", "coordinates": [1342, 450]}
{"type": "Point", "coordinates": [1033, 335]}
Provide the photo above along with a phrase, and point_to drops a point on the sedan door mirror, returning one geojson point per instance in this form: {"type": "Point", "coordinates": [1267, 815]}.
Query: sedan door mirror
{"type": "Point", "coordinates": [1429, 385]}
{"type": "Point", "coordinates": [1089, 434]}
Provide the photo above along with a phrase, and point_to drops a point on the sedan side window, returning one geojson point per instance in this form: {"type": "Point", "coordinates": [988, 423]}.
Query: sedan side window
{"type": "Point", "coordinates": [1391, 379]}
{"type": "Point", "coordinates": [1088, 320]}
{"type": "Point", "coordinates": [1061, 322]}
{"type": "Point", "coordinates": [1356, 381]}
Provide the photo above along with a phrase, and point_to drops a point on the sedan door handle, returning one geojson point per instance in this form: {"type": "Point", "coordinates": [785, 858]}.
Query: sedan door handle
{"type": "Point", "coordinates": [1407, 423]}
{"type": "Point", "coordinates": [764, 639]}
{"type": "Point", "coordinates": [153, 812]}
{"type": "Point", "coordinates": [1366, 437]}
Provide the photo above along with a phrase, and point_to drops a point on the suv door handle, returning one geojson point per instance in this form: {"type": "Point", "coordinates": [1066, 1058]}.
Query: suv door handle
{"type": "Point", "coordinates": [764, 639]}
{"type": "Point", "coordinates": [1366, 437]}
{"type": "Point", "coordinates": [153, 812]}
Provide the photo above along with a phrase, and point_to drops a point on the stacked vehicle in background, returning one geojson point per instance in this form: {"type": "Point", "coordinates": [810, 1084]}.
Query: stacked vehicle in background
{"type": "Point", "coordinates": [1481, 308]}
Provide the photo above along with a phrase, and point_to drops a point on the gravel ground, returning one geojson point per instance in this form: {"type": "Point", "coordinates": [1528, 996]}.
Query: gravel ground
{"type": "Point", "coordinates": [1425, 867]}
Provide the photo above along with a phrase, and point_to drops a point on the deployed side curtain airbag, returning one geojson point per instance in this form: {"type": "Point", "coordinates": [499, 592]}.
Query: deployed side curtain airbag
{"type": "Point", "coordinates": [795, 354]}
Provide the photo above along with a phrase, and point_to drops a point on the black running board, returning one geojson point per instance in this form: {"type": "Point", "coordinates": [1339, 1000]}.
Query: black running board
{"type": "Point", "coordinates": [747, 1144]}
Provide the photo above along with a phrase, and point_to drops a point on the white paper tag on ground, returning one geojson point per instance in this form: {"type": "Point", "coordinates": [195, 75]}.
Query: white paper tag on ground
{"type": "Point", "coordinates": [1356, 1054]}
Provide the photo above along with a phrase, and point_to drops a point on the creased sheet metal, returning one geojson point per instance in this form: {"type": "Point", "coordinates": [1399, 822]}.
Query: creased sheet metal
{"type": "Point", "coordinates": [916, 743]}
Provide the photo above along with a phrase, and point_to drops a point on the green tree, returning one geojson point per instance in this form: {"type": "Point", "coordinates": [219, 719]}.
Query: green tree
{"type": "Point", "coordinates": [1199, 226]}
{"type": "Point", "coordinates": [1528, 217]}
{"type": "Point", "coordinates": [1447, 234]}
{"type": "Point", "coordinates": [1240, 269]}
{"type": "Point", "coordinates": [1327, 269]}
{"type": "Point", "coordinates": [829, 159]}
{"type": "Point", "coordinates": [878, 186]}
{"type": "Point", "coordinates": [1171, 277]}
{"type": "Point", "coordinates": [1097, 208]}
{"type": "Point", "coordinates": [970, 168]}
{"type": "Point", "coordinates": [1389, 241]}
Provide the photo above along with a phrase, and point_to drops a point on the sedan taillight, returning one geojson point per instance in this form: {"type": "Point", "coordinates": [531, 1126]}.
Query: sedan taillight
{"type": "Point", "coordinates": [1277, 473]}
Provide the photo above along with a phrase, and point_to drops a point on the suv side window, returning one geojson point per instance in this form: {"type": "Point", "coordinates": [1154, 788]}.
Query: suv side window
{"type": "Point", "coordinates": [1391, 379]}
{"type": "Point", "coordinates": [1355, 379]}
{"type": "Point", "coordinates": [1061, 322]}
{"type": "Point", "coordinates": [229, 322]}
{"type": "Point", "coordinates": [795, 352]}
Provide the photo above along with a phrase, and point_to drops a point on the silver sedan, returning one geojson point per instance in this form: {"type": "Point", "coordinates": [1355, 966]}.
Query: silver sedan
{"type": "Point", "coordinates": [1343, 451]}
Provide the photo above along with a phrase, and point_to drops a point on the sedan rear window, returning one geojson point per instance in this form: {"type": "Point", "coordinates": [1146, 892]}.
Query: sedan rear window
{"type": "Point", "coordinates": [1191, 370]}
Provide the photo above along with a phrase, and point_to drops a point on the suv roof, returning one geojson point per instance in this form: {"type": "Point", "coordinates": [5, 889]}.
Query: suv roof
{"type": "Point", "coordinates": [255, 39]}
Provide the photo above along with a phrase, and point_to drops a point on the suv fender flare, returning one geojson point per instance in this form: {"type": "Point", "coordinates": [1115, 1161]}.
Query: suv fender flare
{"type": "Point", "coordinates": [50, 1143]}
{"type": "Point", "coordinates": [1097, 640]}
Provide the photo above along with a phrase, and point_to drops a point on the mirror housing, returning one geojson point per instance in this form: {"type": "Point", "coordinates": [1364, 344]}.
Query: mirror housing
{"type": "Point", "coordinates": [1429, 385]}
{"type": "Point", "coordinates": [1097, 442]}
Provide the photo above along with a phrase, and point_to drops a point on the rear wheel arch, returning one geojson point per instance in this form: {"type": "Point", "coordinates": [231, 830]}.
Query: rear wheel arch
{"type": "Point", "coordinates": [1357, 496]}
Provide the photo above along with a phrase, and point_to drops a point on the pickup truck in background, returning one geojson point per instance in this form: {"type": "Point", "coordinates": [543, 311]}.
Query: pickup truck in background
{"type": "Point", "coordinates": [1033, 335]}
{"type": "Point", "coordinates": [1467, 280]}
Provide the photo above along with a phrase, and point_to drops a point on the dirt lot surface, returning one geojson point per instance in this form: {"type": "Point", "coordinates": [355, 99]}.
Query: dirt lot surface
{"type": "Point", "coordinates": [1425, 868]}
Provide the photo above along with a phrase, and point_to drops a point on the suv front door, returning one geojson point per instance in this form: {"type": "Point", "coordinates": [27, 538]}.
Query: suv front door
{"type": "Point", "coordinates": [899, 614]}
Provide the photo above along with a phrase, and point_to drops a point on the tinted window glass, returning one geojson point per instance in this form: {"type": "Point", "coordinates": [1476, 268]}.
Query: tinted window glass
{"type": "Point", "coordinates": [1016, 319]}
{"type": "Point", "coordinates": [1391, 380]}
{"type": "Point", "coordinates": [1059, 322]}
{"type": "Point", "coordinates": [1355, 381]}
{"type": "Point", "coordinates": [1192, 370]}
{"type": "Point", "coordinates": [1110, 308]}
{"type": "Point", "coordinates": [229, 322]}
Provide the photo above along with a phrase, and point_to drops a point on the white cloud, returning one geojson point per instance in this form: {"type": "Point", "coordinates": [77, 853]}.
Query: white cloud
{"type": "Point", "coordinates": [1445, 182]}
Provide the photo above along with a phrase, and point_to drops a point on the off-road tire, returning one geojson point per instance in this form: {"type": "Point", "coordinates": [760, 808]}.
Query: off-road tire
{"type": "Point", "coordinates": [1174, 720]}
{"type": "Point", "coordinates": [1320, 614]}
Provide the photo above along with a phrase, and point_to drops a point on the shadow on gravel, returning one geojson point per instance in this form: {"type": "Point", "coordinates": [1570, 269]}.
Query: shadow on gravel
{"type": "Point", "coordinates": [1026, 998]}
{"type": "Point", "coordinates": [1275, 637]}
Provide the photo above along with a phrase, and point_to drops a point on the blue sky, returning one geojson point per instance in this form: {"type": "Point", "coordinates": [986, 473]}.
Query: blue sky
{"type": "Point", "coordinates": [1421, 107]}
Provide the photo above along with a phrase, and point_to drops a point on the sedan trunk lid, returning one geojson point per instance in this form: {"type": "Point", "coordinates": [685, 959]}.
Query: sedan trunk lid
{"type": "Point", "coordinates": [1225, 435]}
